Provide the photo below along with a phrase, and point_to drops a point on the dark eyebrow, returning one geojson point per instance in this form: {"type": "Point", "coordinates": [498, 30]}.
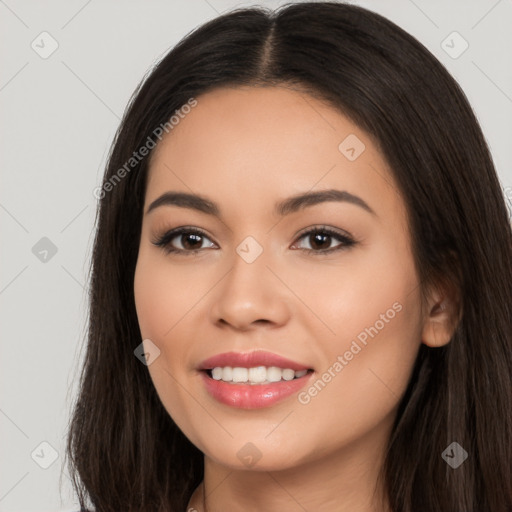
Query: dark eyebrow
{"type": "Point", "coordinates": [295, 203]}
{"type": "Point", "coordinates": [185, 200]}
{"type": "Point", "coordinates": [286, 207]}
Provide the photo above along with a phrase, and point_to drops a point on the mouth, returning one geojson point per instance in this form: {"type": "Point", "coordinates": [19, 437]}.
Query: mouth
{"type": "Point", "coordinates": [252, 380]}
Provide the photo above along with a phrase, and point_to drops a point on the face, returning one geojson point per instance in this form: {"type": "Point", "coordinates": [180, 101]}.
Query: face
{"type": "Point", "coordinates": [322, 289]}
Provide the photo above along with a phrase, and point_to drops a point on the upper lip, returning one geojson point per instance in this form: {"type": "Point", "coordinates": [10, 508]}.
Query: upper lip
{"type": "Point", "coordinates": [250, 360]}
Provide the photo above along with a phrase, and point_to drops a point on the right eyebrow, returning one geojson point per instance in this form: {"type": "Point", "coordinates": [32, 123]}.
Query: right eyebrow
{"type": "Point", "coordinates": [185, 200]}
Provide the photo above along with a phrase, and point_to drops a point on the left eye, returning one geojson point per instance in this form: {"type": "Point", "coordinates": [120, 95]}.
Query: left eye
{"type": "Point", "coordinates": [320, 239]}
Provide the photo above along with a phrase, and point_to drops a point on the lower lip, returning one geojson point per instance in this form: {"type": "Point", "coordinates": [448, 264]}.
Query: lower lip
{"type": "Point", "coordinates": [253, 396]}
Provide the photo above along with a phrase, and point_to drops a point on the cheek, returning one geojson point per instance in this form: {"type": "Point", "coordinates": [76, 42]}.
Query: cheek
{"type": "Point", "coordinates": [159, 310]}
{"type": "Point", "coordinates": [153, 297]}
{"type": "Point", "coordinates": [369, 335]}
{"type": "Point", "coordinates": [368, 362]}
{"type": "Point", "coordinates": [359, 388]}
{"type": "Point", "coordinates": [164, 294]}
{"type": "Point", "coordinates": [162, 299]}
{"type": "Point", "coordinates": [343, 296]}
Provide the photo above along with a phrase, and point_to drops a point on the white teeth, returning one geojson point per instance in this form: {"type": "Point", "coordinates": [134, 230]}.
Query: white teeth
{"type": "Point", "coordinates": [240, 374]}
{"type": "Point", "coordinates": [227, 374]}
{"type": "Point", "coordinates": [288, 374]}
{"type": "Point", "coordinates": [256, 375]}
{"type": "Point", "coordinates": [274, 374]}
{"type": "Point", "coordinates": [217, 373]}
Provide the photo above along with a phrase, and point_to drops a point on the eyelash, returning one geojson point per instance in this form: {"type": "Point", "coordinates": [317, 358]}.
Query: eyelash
{"type": "Point", "coordinates": [165, 240]}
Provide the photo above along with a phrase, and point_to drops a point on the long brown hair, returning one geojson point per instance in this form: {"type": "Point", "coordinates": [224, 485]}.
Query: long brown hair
{"type": "Point", "coordinates": [125, 452]}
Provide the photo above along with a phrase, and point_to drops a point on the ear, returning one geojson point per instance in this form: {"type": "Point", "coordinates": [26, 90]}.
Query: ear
{"type": "Point", "coordinates": [442, 315]}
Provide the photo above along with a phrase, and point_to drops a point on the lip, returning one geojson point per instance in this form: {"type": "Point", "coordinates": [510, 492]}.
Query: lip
{"type": "Point", "coordinates": [252, 396]}
{"type": "Point", "coordinates": [250, 360]}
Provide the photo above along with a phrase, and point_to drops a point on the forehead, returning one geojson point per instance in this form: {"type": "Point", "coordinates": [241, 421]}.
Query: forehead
{"type": "Point", "coordinates": [250, 143]}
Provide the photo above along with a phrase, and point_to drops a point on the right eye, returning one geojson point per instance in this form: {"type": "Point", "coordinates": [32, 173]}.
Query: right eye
{"type": "Point", "coordinates": [190, 239]}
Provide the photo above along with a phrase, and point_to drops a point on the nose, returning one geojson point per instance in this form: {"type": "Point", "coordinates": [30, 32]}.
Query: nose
{"type": "Point", "coordinates": [250, 295]}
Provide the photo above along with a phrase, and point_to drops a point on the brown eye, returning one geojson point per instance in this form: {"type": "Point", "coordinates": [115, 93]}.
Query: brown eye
{"type": "Point", "coordinates": [190, 241]}
{"type": "Point", "coordinates": [183, 240]}
{"type": "Point", "coordinates": [320, 241]}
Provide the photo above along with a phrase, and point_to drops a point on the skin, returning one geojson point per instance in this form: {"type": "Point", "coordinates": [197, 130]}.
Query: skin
{"type": "Point", "coordinates": [246, 149]}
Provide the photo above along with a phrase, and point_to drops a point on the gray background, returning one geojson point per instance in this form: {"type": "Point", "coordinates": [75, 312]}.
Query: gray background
{"type": "Point", "coordinates": [59, 115]}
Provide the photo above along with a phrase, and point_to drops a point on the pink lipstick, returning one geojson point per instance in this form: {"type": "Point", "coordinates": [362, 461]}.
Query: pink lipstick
{"type": "Point", "coordinates": [252, 380]}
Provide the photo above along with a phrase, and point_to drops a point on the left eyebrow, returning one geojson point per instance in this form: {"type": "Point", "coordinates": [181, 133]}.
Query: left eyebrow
{"type": "Point", "coordinates": [285, 207]}
{"type": "Point", "coordinates": [300, 201]}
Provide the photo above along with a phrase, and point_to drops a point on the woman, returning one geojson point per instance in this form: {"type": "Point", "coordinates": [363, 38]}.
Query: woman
{"type": "Point", "coordinates": [294, 301]}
